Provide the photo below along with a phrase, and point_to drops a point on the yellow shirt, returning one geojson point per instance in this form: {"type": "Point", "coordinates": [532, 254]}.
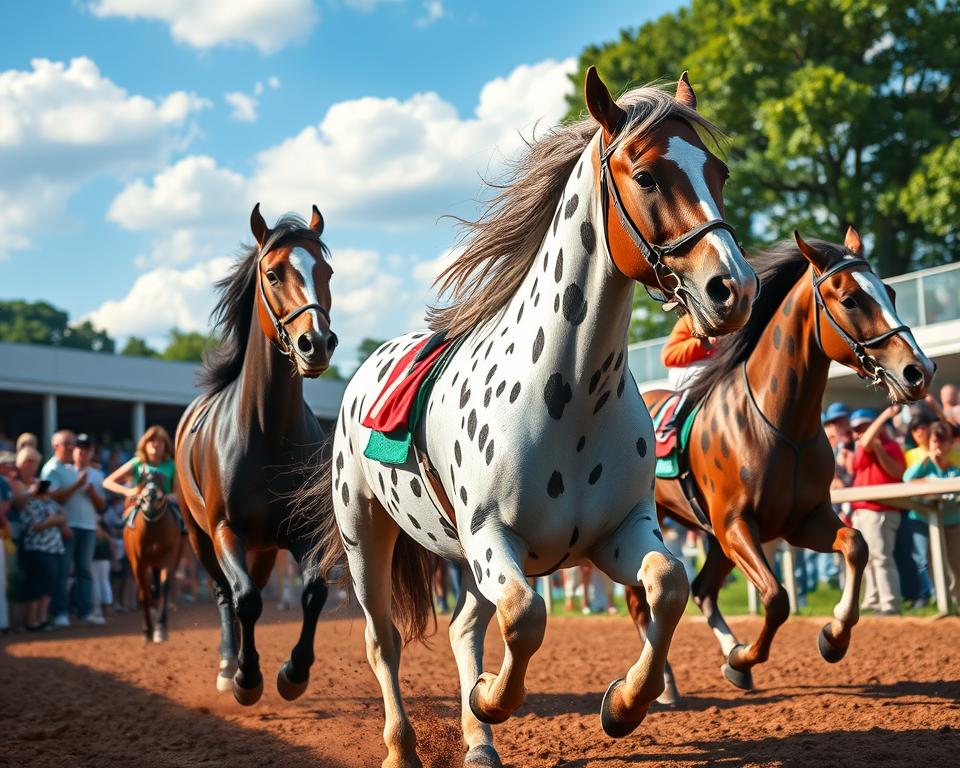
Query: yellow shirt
{"type": "Point", "coordinates": [918, 454]}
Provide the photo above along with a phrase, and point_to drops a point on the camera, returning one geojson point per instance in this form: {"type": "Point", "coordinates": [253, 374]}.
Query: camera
{"type": "Point", "coordinates": [43, 487]}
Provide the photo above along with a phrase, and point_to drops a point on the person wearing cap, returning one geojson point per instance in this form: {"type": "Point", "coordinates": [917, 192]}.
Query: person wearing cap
{"type": "Point", "coordinates": [877, 459]}
{"type": "Point", "coordinates": [93, 503]}
{"type": "Point", "coordinates": [70, 488]}
{"type": "Point", "coordinates": [836, 424]}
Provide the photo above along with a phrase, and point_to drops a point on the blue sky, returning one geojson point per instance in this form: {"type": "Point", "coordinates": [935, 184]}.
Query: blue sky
{"type": "Point", "coordinates": [132, 152]}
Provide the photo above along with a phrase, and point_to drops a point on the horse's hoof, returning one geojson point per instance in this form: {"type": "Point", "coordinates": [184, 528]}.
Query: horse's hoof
{"type": "Point", "coordinates": [830, 652]}
{"type": "Point", "coordinates": [247, 696]}
{"type": "Point", "coordinates": [669, 698]}
{"type": "Point", "coordinates": [160, 635]}
{"type": "Point", "coordinates": [482, 756]}
{"type": "Point", "coordinates": [484, 715]}
{"type": "Point", "coordinates": [742, 680]}
{"type": "Point", "coordinates": [615, 725]}
{"type": "Point", "coordinates": [228, 668]}
{"type": "Point", "coordinates": [288, 689]}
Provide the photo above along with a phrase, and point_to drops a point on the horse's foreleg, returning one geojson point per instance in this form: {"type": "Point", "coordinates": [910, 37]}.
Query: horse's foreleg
{"type": "Point", "coordinates": [744, 548]}
{"type": "Point", "coordinates": [635, 555]}
{"type": "Point", "coordinates": [822, 531]}
{"type": "Point", "coordinates": [495, 558]}
{"type": "Point", "coordinates": [247, 603]}
{"type": "Point", "coordinates": [467, 629]}
{"type": "Point", "coordinates": [640, 613]}
{"type": "Point", "coordinates": [294, 675]}
{"type": "Point", "coordinates": [143, 575]}
{"type": "Point", "coordinates": [203, 547]}
{"type": "Point", "coordinates": [370, 536]}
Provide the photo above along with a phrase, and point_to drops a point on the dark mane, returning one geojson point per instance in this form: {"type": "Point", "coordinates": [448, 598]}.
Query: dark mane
{"type": "Point", "coordinates": [501, 244]}
{"type": "Point", "coordinates": [778, 269]}
{"type": "Point", "coordinates": [234, 311]}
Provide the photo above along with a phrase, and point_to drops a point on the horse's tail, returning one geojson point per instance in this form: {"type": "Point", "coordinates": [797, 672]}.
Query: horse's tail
{"type": "Point", "coordinates": [413, 566]}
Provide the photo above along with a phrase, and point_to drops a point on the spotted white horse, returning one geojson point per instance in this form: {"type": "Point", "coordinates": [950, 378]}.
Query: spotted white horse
{"type": "Point", "coordinates": [539, 437]}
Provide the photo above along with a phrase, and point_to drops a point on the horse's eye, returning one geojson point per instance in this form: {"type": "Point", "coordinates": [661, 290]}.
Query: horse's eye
{"type": "Point", "coordinates": [645, 180]}
{"type": "Point", "coordinates": [272, 277]}
{"type": "Point", "coordinates": [848, 303]}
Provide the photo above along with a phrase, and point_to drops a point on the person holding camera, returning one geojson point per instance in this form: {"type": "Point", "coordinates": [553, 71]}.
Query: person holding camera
{"type": "Point", "coordinates": [40, 548]}
{"type": "Point", "coordinates": [71, 488]}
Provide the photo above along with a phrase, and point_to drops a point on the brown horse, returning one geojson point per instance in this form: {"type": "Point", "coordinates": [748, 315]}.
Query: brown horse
{"type": "Point", "coordinates": [243, 445]}
{"type": "Point", "coordinates": [758, 456]}
{"type": "Point", "coordinates": [154, 541]}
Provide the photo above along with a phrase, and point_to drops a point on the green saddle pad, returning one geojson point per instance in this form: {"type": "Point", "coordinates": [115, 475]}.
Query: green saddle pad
{"type": "Point", "coordinates": [668, 467]}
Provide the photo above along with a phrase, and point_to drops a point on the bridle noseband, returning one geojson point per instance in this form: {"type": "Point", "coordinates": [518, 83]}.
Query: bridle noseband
{"type": "Point", "coordinates": [671, 285]}
{"type": "Point", "coordinates": [283, 343]}
{"type": "Point", "coordinates": [870, 368]}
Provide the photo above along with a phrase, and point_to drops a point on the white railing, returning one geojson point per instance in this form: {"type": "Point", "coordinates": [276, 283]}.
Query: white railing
{"type": "Point", "coordinates": [925, 297]}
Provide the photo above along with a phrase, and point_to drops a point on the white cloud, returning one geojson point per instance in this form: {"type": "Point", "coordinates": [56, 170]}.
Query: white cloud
{"type": "Point", "coordinates": [433, 11]}
{"type": "Point", "coordinates": [207, 23]}
{"type": "Point", "coordinates": [244, 106]}
{"type": "Point", "coordinates": [64, 124]}
{"type": "Point", "coordinates": [368, 6]}
{"type": "Point", "coordinates": [163, 299]}
{"type": "Point", "coordinates": [273, 82]}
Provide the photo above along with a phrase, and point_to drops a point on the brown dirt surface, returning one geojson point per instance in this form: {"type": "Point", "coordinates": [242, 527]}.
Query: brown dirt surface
{"type": "Point", "coordinates": [99, 696]}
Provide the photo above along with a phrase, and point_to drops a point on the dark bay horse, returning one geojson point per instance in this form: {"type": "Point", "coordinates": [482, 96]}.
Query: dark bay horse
{"type": "Point", "coordinates": [242, 446]}
{"type": "Point", "coordinates": [758, 454]}
{"type": "Point", "coordinates": [153, 542]}
{"type": "Point", "coordinates": [541, 440]}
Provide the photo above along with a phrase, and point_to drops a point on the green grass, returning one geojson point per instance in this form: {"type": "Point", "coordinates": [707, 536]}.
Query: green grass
{"type": "Point", "coordinates": [733, 602]}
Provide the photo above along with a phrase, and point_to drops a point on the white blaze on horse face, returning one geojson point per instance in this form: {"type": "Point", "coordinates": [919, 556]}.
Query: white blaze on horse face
{"type": "Point", "coordinates": [875, 289]}
{"type": "Point", "coordinates": [303, 262]}
{"type": "Point", "coordinates": [691, 161]}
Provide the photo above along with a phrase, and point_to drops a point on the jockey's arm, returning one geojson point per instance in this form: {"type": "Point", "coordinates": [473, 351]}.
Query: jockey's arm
{"type": "Point", "coordinates": [116, 482]}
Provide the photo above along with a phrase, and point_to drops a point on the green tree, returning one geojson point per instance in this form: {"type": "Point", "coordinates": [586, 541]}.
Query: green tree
{"type": "Point", "coordinates": [366, 348]}
{"type": "Point", "coordinates": [840, 111]}
{"type": "Point", "coordinates": [333, 372]}
{"type": "Point", "coordinates": [137, 347]}
{"type": "Point", "coordinates": [187, 345]}
{"type": "Point", "coordinates": [39, 322]}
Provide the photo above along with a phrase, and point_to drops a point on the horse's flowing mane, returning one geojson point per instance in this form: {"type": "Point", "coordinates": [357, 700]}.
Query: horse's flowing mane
{"type": "Point", "coordinates": [779, 269]}
{"type": "Point", "coordinates": [234, 311]}
{"type": "Point", "coordinates": [501, 244]}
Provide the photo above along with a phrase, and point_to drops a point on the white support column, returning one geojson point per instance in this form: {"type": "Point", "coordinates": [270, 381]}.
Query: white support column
{"type": "Point", "coordinates": [49, 422]}
{"type": "Point", "coordinates": [139, 423]}
{"type": "Point", "coordinates": [938, 565]}
{"type": "Point", "coordinates": [546, 592]}
{"type": "Point", "coordinates": [789, 575]}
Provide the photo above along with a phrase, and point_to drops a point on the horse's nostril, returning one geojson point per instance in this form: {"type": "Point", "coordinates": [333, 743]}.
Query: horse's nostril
{"type": "Point", "coordinates": [718, 289]}
{"type": "Point", "coordinates": [332, 342]}
{"type": "Point", "coordinates": [913, 375]}
{"type": "Point", "coordinates": [304, 344]}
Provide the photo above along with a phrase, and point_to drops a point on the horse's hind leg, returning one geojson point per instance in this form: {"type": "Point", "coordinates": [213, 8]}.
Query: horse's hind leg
{"type": "Point", "coordinates": [369, 536]}
{"type": "Point", "coordinates": [706, 590]}
{"type": "Point", "coordinates": [467, 629]}
{"type": "Point", "coordinates": [744, 548]}
{"type": "Point", "coordinates": [144, 580]}
{"type": "Point", "coordinates": [822, 531]}
{"type": "Point", "coordinates": [248, 605]}
{"type": "Point", "coordinates": [203, 547]}
{"type": "Point", "coordinates": [633, 555]}
{"type": "Point", "coordinates": [294, 674]}
{"type": "Point", "coordinates": [640, 613]}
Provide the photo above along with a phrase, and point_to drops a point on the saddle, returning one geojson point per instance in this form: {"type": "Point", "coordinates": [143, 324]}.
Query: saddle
{"type": "Point", "coordinates": [671, 448]}
{"type": "Point", "coordinates": [397, 410]}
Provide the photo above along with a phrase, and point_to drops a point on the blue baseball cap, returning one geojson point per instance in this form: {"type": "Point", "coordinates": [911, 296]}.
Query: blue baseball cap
{"type": "Point", "coordinates": [863, 416]}
{"type": "Point", "coordinates": [834, 411]}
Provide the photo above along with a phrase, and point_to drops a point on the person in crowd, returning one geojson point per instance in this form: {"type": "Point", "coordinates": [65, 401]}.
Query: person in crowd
{"type": "Point", "coordinates": [950, 400]}
{"type": "Point", "coordinates": [27, 440]}
{"type": "Point", "coordinates": [82, 501]}
{"type": "Point", "coordinates": [6, 499]}
{"type": "Point", "coordinates": [121, 579]}
{"type": "Point", "coordinates": [937, 462]}
{"type": "Point", "coordinates": [836, 425]}
{"type": "Point", "coordinates": [684, 354]}
{"type": "Point", "coordinates": [913, 539]}
{"type": "Point", "coordinates": [6, 444]}
{"type": "Point", "coordinates": [41, 546]}
{"type": "Point", "coordinates": [154, 456]}
{"type": "Point", "coordinates": [877, 459]}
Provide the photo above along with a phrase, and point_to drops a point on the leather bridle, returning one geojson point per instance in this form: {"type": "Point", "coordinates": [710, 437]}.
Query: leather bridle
{"type": "Point", "coordinates": [283, 342]}
{"type": "Point", "coordinates": [671, 284]}
{"type": "Point", "coordinates": [870, 368]}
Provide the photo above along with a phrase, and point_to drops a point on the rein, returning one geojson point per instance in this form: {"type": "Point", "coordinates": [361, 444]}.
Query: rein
{"type": "Point", "coordinates": [870, 368]}
{"type": "Point", "coordinates": [283, 343]}
{"type": "Point", "coordinates": [672, 290]}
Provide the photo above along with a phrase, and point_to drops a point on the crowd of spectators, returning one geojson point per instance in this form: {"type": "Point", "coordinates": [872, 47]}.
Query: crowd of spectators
{"type": "Point", "coordinates": [899, 444]}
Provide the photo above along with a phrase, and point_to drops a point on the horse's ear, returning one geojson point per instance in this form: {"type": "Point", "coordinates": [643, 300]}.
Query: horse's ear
{"type": "Point", "coordinates": [600, 104]}
{"type": "Point", "coordinates": [810, 253]}
{"type": "Point", "coordinates": [316, 221]}
{"type": "Point", "coordinates": [852, 241]}
{"type": "Point", "coordinates": [685, 94]}
{"type": "Point", "coordinates": [258, 226]}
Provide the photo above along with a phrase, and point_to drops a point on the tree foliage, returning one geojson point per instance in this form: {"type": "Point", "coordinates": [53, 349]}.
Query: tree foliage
{"type": "Point", "coordinates": [137, 347]}
{"type": "Point", "coordinates": [187, 346]}
{"type": "Point", "coordinates": [840, 112]}
{"type": "Point", "coordinates": [38, 322]}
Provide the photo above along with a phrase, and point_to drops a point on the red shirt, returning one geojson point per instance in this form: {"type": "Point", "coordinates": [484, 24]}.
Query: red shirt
{"type": "Point", "coordinates": [867, 471]}
{"type": "Point", "coordinates": [682, 347]}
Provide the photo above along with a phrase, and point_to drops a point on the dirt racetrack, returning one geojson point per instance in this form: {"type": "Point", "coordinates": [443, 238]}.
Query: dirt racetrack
{"type": "Point", "coordinates": [98, 696]}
